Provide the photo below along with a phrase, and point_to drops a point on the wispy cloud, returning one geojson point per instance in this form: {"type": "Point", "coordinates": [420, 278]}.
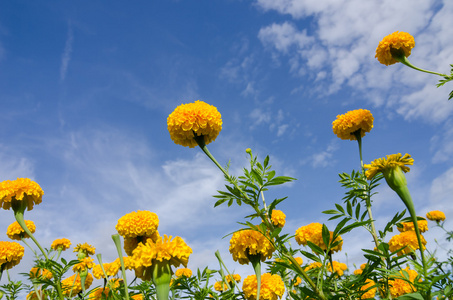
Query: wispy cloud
{"type": "Point", "coordinates": [66, 57]}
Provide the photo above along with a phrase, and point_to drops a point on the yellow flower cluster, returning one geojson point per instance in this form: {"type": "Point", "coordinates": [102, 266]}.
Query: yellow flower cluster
{"type": "Point", "coordinates": [10, 254]}
{"type": "Point", "coordinates": [313, 233]}
{"type": "Point", "coordinates": [345, 126]}
{"type": "Point", "coordinates": [338, 267]}
{"type": "Point", "coordinates": [138, 297]}
{"type": "Point", "coordinates": [409, 226]}
{"type": "Point", "coordinates": [183, 272]}
{"type": "Point", "coordinates": [360, 271]}
{"type": "Point", "coordinates": [86, 248]}
{"type": "Point", "coordinates": [406, 239]}
{"type": "Point", "coordinates": [401, 286]}
{"type": "Point", "coordinates": [198, 118]}
{"type": "Point", "coordinates": [33, 296]}
{"type": "Point", "coordinates": [131, 243]}
{"type": "Point", "coordinates": [73, 288]}
{"type": "Point", "coordinates": [111, 269]}
{"type": "Point", "coordinates": [61, 244]}
{"type": "Point", "coordinates": [278, 218]}
{"type": "Point", "coordinates": [21, 189]}
{"type": "Point", "coordinates": [250, 242]}
{"type": "Point", "coordinates": [15, 231]}
{"type": "Point", "coordinates": [100, 293]}
{"type": "Point", "coordinates": [85, 263]}
{"type": "Point", "coordinates": [140, 223]}
{"type": "Point", "coordinates": [436, 215]}
{"type": "Point", "coordinates": [392, 161]}
{"type": "Point", "coordinates": [371, 292]}
{"type": "Point", "coordinates": [313, 265]}
{"type": "Point", "coordinates": [218, 286]}
{"type": "Point", "coordinates": [40, 273]}
{"type": "Point", "coordinates": [272, 287]}
{"type": "Point", "coordinates": [401, 42]}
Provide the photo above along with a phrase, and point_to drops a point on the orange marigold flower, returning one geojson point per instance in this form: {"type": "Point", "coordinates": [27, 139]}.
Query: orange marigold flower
{"type": "Point", "coordinates": [15, 231]}
{"type": "Point", "coordinates": [391, 162]}
{"type": "Point", "coordinates": [250, 242]}
{"type": "Point", "coordinates": [403, 284]}
{"type": "Point", "coordinates": [21, 189]}
{"type": "Point", "coordinates": [36, 273]}
{"type": "Point", "coordinates": [395, 44]}
{"type": "Point", "coordinates": [409, 226]}
{"type": "Point", "coordinates": [436, 215]}
{"type": "Point", "coordinates": [352, 122]}
{"type": "Point", "coordinates": [138, 297]}
{"type": "Point", "coordinates": [10, 254]}
{"type": "Point", "coordinates": [370, 292]}
{"type": "Point", "coordinates": [198, 118]}
{"type": "Point", "coordinates": [61, 244]}
{"type": "Point", "coordinates": [183, 272]}
{"type": "Point", "coordinates": [140, 223]}
{"type": "Point", "coordinates": [406, 239]}
{"type": "Point", "coordinates": [86, 248]}
{"type": "Point", "coordinates": [313, 233]}
{"type": "Point", "coordinates": [272, 287]}
{"type": "Point", "coordinates": [71, 287]}
{"type": "Point", "coordinates": [278, 218]}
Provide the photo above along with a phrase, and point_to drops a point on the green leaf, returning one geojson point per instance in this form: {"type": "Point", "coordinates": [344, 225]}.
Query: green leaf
{"type": "Point", "coordinates": [331, 212]}
{"type": "Point", "coordinates": [315, 248]}
{"type": "Point", "coordinates": [339, 207]}
{"type": "Point", "coordinates": [325, 235]}
{"type": "Point", "coordinates": [266, 161]}
{"type": "Point", "coordinates": [411, 296]}
{"type": "Point", "coordinates": [357, 211]}
{"type": "Point", "coordinates": [220, 202]}
{"type": "Point", "coordinates": [352, 226]}
{"type": "Point", "coordinates": [257, 177]}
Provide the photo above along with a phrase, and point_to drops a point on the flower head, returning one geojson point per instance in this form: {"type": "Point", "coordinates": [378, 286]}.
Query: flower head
{"type": "Point", "coordinates": [272, 287]}
{"type": "Point", "coordinates": [183, 272]}
{"type": "Point", "coordinates": [436, 215]}
{"type": "Point", "coordinates": [85, 249]}
{"type": "Point", "coordinates": [352, 122]}
{"type": "Point", "coordinates": [140, 223]}
{"type": "Point", "coordinates": [250, 242]}
{"type": "Point", "coordinates": [313, 233]}
{"type": "Point", "coordinates": [220, 286]}
{"type": "Point", "coordinates": [61, 244]}
{"type": "Point", "coordinates": [33, 296]}
{"type": "Point", "coordinates": [278, 218]}
{"type": "Point", "coordinates": [21, 189]}
{"type": "Point", "coordinates": [403, 284]}
{"type": "Point", "coordinates": [85, 263]}
{"type": "Point", "coordinates": [406, 239]}
{"type": "Point", "coordinates": [73, 285]}
{"type": "Point", "coordinates": [384, 165]}
{"type": "Point", "coordinates": [370, 292]}
{"type": "Point", "coordinates": [10, 254]}
{"type": "Point", "coordinates": [198, 118]}
{"type": "Point", "coordinates": [40, 273]}
{"type": "Point", "coordinates": [100, 293]}
{"type": "Point", "coordinates": [299, 260]}
{"type": "Point", "coordinates": [138, 297]}
{"type": "Point", "coordinates": [15, 231]}
{"type": "Point", "coordinates": [409, 226]}
{"type": "Point", "coordinates": [393, 46]}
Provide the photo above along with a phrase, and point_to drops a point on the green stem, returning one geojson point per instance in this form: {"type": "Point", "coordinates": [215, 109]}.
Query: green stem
{"type": "Point", "coordinates": [25, 242]}
{"type": "Point", "coordinates": [255, 259]}
{"type": "Point", "coordinates": [161, 274]}
{"type": "Point", "coordinates": [116, 240]}
{"type": "Point", "coordinates": [403, 59]}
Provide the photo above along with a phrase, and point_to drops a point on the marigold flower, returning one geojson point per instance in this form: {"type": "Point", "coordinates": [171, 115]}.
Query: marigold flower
{"type": "Point", "coordinates": [338, 268]}
{"type": "Point", "coordinates": [299, 260]}
{"type": "Point", "coordinates": [313, 265]}
{"type": "Point", "coordinates": [73, 288]}
{"type": "Point", "coordinates": [10, 254]}
{"type": "Point", "coordinates": [198, 118]}
{"type": "Point", "coordinates": [61, 244]}
{"type": "Point", "coordinates": [131, 243]}
{"type": "Point", "coordinates": [409, 226]}
{"type": "Point", "coordinates": [36, 273]}
{"type": "Point", "coordinates": [183, 272]}
{"type": "Point", "coordinates": [298, 281]}
{"type": "Point", "coordinates": [86, 248]}
{"type": "Point", "coordinates": [371, 292]}
{"type": "Point", "coordinates": [85, 263]}
{"type": "Point", "coordinates": [171, 250]}
{"type": "Point", "coordinates": [403, 285]}
{"type": "Point", "coordinates": [140, 223]}
{"type": "Point", "coordinates": [358, 272]}
{"type": "Point", "coordinates": [138, 297]}
{"type": "Point", "coordinates": [436, 215]}
{"type": "Point", "coordinates": [220, 286]}
{"type": "Point", "coordinates": [128, 263]}
{"type": "Point", "coordinates": [111, 269]}
{"type": "Point", "coordinates": [345, 126]}
{"type": "Point", "coordinates": [15, 231]}
{"type": "Point", "coordinates": [100, 293]}
{"type": "Point", "coordinates": [250, 242]}
{"type": "Point", "coordinates": [408, 239]}
{"type": "Point", "coordinates": [21, 189]}
{"type": "Point", "coordinates": [313, 233]}
{"type": "Point", "coordinates": [391, 162]}
{"type": "Point", "coordinates": [272, 287]}
{"type": "Point", "coordinates": [33, 296]}
{"type": "Point", "coordinates": [234, 277]}
{"type": "Point", "coordinates": [278, 218]}
{"type": "Point", "coordinates": [398, 43]}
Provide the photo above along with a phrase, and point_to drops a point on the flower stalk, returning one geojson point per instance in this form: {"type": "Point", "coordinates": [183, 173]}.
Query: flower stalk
{"type": "Point", "coordinates": [116, 240]}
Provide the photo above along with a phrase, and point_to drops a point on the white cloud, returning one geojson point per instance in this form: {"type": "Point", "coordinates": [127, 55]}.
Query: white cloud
{"type": "Point", "coordinates": [66, 57]}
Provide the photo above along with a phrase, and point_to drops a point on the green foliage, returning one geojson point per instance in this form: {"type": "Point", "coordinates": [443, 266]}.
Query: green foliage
{"type": "Point", "coordinates": [447, 79]}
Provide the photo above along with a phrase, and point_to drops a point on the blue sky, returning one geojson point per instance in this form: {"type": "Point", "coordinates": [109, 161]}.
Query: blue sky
{"type": "Point", "coordinates": [86, 89]}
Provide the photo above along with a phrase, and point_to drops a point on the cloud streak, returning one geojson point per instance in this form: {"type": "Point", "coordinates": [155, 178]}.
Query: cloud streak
{"type": "Point", "coordinates": [66, 56]}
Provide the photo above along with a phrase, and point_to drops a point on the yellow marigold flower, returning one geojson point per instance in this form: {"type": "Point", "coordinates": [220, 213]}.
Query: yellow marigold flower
{"type": "Point", "coordinates": [70, 287]}
{"type": "Point", "coordinates": [278, 218]}
{"type": "Point", "coordinates": [99, 294]}
{"type": "Point", "coordinates": [10, 254]}
{"type": "Point", "coordinates": [235, 277]}
{"type": "Point", "coordinates": [183, 272]}
{"type": "Point", "coordinates": [33, 296]}
{"type": "Point", "coordinates": [15, 231]}
{"type": "Point", "coordinates": [409, 226]}
{"type": "Point", "coordinates": [218, 286]}
{"type": "Point", "coordinates": [131, 243]}
{"type": "Point", "coordinates": [398, 43]}
{"type": "Point", "coordinates": [298, 281]}
{"type": "Point", "coordinates": [115, 283]}
{"type": "Point", "coordinates": [21, 189]}
{"type": "Point", "coordinates": [140, 223]}
{"type": "Point", "coordinates": [85, 263]}
{"type": "Point", "coordinates": [384, 164]}
{"type": "Point", "coordinates": [138, 297]}
{"type": "Point", "coordinates": [171, 250]}
{"type": "Point", "coordinates": [408, 239]}
{"type": "Point", "coordinates": [61, 244]}
{"type": "Point", "coordinates": [128, 263]}
{"type": "Point", "coordinates": [313, 265]}
{"type": "Point", "coordinates": [86, 248]}
{"type": "Point", "coordinates": [299, 260]}
{"type": "Point", "coordinates": [436, 215]}
{"type": "Point", "coordinates": [111, 269]}
{"type": "Point", "coordinates": [345, 126]}
{"type": "Point", "coordinates": [338, 268]}
{"type": "Point", "coordinates": [272, 287]}
{"type": "Point", "coordinates": [249, 242]}
{"type": "Point", "coordinates": [36, 273]}
{"type": "Point", "coordinates": [313, 233]}
{"type": "Point", "coordinates": [358, 272]}
{"type": "Point", "coordinates": [371, 292]}
{"type": "Point", "coordinates": [198, 118]}
{"type": "Point", "coordinates": [403, 285]}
